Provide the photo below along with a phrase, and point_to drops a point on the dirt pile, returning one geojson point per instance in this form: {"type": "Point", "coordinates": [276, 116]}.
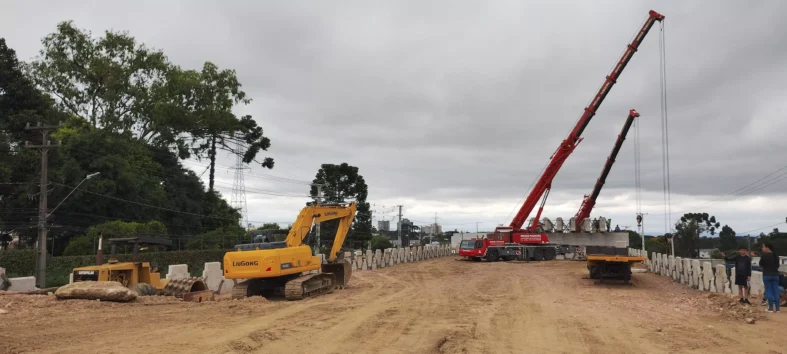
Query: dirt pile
{"type": "Point", "coordinates": [437, 306]}
{"type": "Point", "coordinates": [95, 290]}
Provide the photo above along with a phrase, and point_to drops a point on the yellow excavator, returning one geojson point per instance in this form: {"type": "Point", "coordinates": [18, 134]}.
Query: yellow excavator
{"type": "Point", "coordinates": [280, 267]}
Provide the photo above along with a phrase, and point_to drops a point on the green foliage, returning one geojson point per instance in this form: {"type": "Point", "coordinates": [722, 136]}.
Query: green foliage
{"type": "Point", "coordinates": [87, 244]}
{"type": "Point", "coordinates": [270, 226]}
{"type": "Point", "coordinates": [727, 238]}
{"type": "Point", "coordinates": [20, 104]}
{"type": "Point", "coordinates": [221, 238]}
{"type": "Point", "coordinates": [635, 240]}
{"type": "Point", "coordinates": [121, 86]}
{"type": "Point", "coordinates": [688, 230]}
{"type": "Point", "coordinates": [380, 243]}
{"type": "Point", "coordinates": [339, 184]}
{"type": "Point", "coordinates": [141, 179]}
{"type": "Point", "coordinates": [22, 262]}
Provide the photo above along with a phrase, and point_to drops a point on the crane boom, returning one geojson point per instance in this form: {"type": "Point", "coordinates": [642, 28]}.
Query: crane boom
{"type": "Point", "coordinates": [544, 183]}
{"type": "Point", "coordinates": [588, 202]}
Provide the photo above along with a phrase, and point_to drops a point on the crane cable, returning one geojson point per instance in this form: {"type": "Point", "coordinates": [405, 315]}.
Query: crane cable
{"type": "Point", "coordinates": [665, 133]}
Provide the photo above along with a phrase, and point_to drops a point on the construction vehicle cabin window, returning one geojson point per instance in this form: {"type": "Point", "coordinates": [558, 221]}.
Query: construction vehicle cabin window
{"type": "Point", "coordinates": [467, 245]}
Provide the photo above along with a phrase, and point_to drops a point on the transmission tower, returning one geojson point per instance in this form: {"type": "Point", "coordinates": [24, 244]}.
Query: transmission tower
{"type": "Point", "coordinates": [238, 199]}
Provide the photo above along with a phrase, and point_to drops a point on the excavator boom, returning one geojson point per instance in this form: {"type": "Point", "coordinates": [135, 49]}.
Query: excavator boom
{"type": "Point", "coordinates": [589, 201]}
{"type": "Point", "coordinates": [316, 213]}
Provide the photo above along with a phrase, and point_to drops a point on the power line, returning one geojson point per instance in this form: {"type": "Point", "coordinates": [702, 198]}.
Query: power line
{"type": "Point", "coordinates": [764, 227]}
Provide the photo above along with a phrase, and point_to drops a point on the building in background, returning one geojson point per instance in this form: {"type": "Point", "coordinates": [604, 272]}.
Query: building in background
{"type": "Point", "coordinates": [457, 238]}
{"type": "Point", "coordinates": [383, 225]}
{"type": "Point", "coordinates": [432, 229]}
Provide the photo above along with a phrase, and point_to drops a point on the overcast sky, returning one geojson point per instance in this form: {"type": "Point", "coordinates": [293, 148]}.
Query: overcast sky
{"type": "Point", "coordinates": [454, 107]}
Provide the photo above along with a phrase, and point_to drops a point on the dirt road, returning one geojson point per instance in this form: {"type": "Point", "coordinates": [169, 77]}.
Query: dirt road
{"type": "Point", "coordinates": [436, 306]}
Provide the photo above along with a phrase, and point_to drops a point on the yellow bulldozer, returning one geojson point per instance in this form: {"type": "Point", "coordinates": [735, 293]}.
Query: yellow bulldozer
{"type": "Point", "coordinates": [286, 267]}
{"type": "Point", "coordinates": [141, 277]}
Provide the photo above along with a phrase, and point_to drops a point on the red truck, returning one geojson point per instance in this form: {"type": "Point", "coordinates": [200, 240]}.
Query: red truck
{"type": "Point", "coordinates": [523, 247]}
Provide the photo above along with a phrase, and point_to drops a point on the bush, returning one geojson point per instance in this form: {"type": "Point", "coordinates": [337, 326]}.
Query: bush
{"type": "Point", "coordinates": [380, 243]}
{"type": "Point", "coordinates": [86, 244]}
{"type": "Point", "coordinates": [22, 263]}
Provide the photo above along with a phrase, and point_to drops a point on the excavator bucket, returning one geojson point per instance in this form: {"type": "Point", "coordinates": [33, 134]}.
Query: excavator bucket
{"type": "Point", "coordinates": [342, 269]}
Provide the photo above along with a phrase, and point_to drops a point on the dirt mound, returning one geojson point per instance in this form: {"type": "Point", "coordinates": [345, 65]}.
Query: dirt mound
{"type": "Point", "coordinates": [96, 290]}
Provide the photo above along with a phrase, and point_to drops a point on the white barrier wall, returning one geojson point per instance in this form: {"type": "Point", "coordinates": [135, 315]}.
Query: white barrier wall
{"type": "Point", "coordinates": [213, 275]}
{"type": "Point", "coordinates": [701, 274]}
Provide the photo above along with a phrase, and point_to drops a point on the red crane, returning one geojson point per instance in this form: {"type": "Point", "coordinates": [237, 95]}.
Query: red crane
{"type": "Point", "coordinates": [544, 183]}
{"type": "Point", "coordinates": [589, 201]}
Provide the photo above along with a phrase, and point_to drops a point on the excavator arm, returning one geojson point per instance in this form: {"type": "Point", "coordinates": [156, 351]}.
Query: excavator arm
{"type": "Point", "coordinates": [316, 213]}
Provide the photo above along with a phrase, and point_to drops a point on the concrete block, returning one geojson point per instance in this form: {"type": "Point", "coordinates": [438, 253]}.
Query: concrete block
{"type": "Point", "coordinates": [653, 259]}
{"type": "Point", "coordinates": [213, 276]}
{"type": "Point", "coordinates": [364, 265]}
{"type": "Point", "coordinates": [71, 278]}
{"type": "Point", "coordinates": [679, 270]}
{"type": "Point", "coordinates": [686, 271]}
{"type": "Point", "coordinates": [733, 287]}
{"type": "Point", "coordinates": [720, 277]}
{"type": "Point", "coordinates": [22, 284]}
{"type": "Point", "coordinates": [569, 256]}
{"type": "Point", "coordinates": [757, 286]}
{"type": "Point", "coordinates": [695, 273]}
{"type": "Point", "coordinates": [560, 256]}
{"type": "Point", "coordinates": [226, 285]}
{"type": "Point", "coordinates": [212, 266]}
{"type": "Point", "coordinates": [707, 277]}
{"type": "Point", "coordinates": [369, 258]}
{"type": "Point", "coordinates": [178, 271]}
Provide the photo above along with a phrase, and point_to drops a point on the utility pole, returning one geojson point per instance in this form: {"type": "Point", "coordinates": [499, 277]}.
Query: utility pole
{"type": "Point", "coordinates": [42, 199]}
{"type": "Point", "coordinates": [476, 226]}
{"type": "Point", "coordinates": [399, 227]}
{"type": "Point", "coordinates": [434, 229]}
{"type": "Point", "coordinates": [748, 241]}
{"type": "Point", "coordinates": [319, 201]}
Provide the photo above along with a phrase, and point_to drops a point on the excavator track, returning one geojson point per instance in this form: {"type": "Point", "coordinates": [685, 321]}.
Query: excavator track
{"type": "Point", "coordinates": [240, 290]}
{"type": "Point", "coordinates": [310, 285]}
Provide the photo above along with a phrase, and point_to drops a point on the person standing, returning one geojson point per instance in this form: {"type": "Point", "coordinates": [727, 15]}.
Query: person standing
{"type": "Point", "coordinates": [769, 262]}
{"type": "Point", "coordinates": [742, 273]}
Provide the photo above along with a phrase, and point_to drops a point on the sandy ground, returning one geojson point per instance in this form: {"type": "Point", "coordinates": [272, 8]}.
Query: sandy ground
{"type": "Point", "coordinates": [436, 306]}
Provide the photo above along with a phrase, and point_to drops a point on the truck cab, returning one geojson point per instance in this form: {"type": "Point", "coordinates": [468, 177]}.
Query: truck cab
{"type": "Point", "coordinates": [473, 249]}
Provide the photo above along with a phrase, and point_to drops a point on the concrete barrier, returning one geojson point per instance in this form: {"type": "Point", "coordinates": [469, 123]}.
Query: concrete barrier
{"type": "Point", "coordinates": [701, 274]}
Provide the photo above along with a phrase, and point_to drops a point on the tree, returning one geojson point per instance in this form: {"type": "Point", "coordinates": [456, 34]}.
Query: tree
{"type": "Point", "coordinates": [87, 244]}
{"type": "Point", "coordinates": [339, 184]}
{"type": "Point", "coordinates": [635, 240]}
{"type": "Point", "coordinates": [727, 239]}
{"type": "Point", "coordinates": [20, 104]}
{"type": "Point", "coordinates": [380, 243]}
{"type": "Point", "coordinates": [123, 87]}
{"type": "Point", "coordinates": [270, 226]}
{"type": "Point", "coordinates": [217, 92]}
{"type": "Point", "coordinates": [688, 231]}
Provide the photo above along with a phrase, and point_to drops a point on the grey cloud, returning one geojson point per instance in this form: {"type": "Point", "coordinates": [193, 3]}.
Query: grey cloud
{"type": "Point", "coordinates": [465, 101]}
